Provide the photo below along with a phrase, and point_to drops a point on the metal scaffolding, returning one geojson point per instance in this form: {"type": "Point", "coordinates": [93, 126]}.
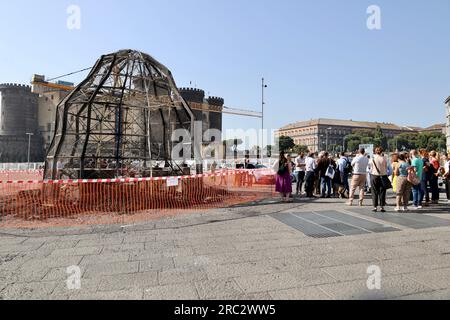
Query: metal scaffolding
{"type": "Point", "coordinates": [119, 121]}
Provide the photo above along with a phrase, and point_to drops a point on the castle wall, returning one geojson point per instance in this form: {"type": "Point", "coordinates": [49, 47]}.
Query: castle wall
{"type": "Point", "coordinates": [19, 116]}
{"type": "Point", "coordinates": [19, 110]}
{"type": "Point", "coordinates": [14, 149]}
{"type": "Point", "coordinates": [208, 111]}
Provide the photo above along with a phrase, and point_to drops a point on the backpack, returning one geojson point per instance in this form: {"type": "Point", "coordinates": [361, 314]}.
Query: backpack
{"type": "Point", "coordinates": [413, 179]}
{"type": "Point", "coordinates": [348, 166]}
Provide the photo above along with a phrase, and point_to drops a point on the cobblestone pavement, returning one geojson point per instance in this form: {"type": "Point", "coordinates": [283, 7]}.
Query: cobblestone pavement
{"type": "Point", "coordinates": [235, 253]}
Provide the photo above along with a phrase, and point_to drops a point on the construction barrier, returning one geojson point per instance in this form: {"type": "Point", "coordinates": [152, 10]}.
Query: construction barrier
{"type": "Point", "coordinates": [70, 202]}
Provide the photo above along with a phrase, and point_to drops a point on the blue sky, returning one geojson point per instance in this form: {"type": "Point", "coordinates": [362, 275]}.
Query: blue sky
{"type": "Point", "coordinates": [318, 57]}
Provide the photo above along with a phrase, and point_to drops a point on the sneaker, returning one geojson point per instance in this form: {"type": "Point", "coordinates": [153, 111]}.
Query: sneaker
{"type": "Point", "coordinates": [382, 210]}
{"type": "Point", "coordinates": [375, 210]}
{"type": "Point", "coordinates": [419, 207]}
{"type": "Point", "coordinates": [415, 208]}
{"type": "Point", "coordinates": [397, 209]}
{"type": "Point", "coordinates": [405, 209]}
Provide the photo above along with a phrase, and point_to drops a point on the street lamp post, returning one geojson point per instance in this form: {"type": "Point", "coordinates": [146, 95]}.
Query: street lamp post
{"type": "Point", "coordinates": [321, 142]}
{"type": "Point", "coordinates": [328, 129]}
{"type": "Point", "coordinates": [29, 148]}
{"type": "Point", "coordinates": [263, 86]}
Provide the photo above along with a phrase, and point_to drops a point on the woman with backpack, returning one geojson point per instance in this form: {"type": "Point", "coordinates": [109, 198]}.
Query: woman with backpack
{"type": "Point", "coordinates": [283, 185]}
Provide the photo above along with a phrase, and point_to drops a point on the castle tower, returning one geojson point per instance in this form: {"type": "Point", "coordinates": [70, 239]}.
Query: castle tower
{"type": "Point", "coordinates": [19, 116]}
{"type": "Point", "coordinates": [207, 111]}
{"type": "Point", "coordinates": [19, 107]}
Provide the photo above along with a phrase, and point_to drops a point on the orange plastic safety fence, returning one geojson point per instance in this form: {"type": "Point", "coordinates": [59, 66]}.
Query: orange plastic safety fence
{"type": "Point", "coordinates": [76, 202]}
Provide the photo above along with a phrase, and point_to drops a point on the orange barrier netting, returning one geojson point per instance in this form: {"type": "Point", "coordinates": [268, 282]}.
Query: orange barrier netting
{"type": "Point", "coordinates": [125, 200]}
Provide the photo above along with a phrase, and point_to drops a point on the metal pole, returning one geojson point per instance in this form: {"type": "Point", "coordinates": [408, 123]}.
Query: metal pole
{"type": "Point", "coordinates": [328, 129]}
{"type": "Point", "coordinates": [263, 86]}
{"type": "Point", "coordinates": [262, 118]}
{"type": "Point", "coordinates": [29, 149]}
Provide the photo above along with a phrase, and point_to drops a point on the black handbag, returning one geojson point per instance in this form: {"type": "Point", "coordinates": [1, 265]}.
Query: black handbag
{"type": "Point", "coordinates": [385, 182]}
{"type": "Point", "coordinates": [282, 169]}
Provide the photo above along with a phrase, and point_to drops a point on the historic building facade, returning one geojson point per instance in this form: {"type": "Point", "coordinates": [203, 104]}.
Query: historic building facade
{"type": "Point", "coordinates": [319, 133]}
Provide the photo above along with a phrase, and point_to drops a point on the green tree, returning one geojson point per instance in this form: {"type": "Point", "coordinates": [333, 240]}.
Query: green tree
{"type": "Point", "coordinates": [379, 138]}
{"type": "Point", "coordinates": [435, 141]}
{"type": "Point", "coordinates": [285, 143]}
{"type": "Point", "coordinates": [300, 148]}
{"type": "Point", "coordinates": [405, 141]}
{"type": "Point", "coordinates": [358, 137]}
{"type": "Point", "coordinates": [413, 140]}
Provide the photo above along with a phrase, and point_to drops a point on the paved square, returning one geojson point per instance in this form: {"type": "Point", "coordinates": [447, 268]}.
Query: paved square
{"type": "Point", "coordinates": [267, 250]}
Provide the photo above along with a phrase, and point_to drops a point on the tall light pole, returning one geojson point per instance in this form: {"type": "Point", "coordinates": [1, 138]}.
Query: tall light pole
{"type": "Point", "coordinates": [263, 86]}
{"type": "Point", "coordinates": [29, 148]}
{"type": "Point", "coordinates": [328, 129]}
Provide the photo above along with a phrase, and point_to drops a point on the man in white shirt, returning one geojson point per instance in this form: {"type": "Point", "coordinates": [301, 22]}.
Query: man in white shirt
{"type": "Point", "coordinates": [300, 167]}
{"type": "Point", "coordinates": [359, 165]}
{"type": "Point", "coordinates": [310, 167]}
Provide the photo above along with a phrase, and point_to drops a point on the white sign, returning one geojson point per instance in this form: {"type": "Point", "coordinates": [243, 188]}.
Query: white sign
{"type": "Point", "coordinates": [374, 20]}
{"type": "Point", "coordinates": [374, 280]}
{"type": "Point", "coordinates": [369, 149]}
{"type": "Point", "coordinates": [172, 182]}
{"type": "Point", "coordinates": [74, 280]}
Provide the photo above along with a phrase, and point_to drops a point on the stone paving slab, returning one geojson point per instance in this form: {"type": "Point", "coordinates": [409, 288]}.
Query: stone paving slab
{"type": "Point", "coordinates": [172, 292]}
{"type": "Point", "coordinates": [128, 281]}
{"type": "Point", "coordinates": [392, 287]}
{"type": "Point", "coordinates": [435, 295]}
{"type": "Point", "coordinates": [111, 268]}
{"type": "Point", "coordinates": [29, 291]}
{"type": "Point", "coordinates": [311, 293]}
{"type": "Point", "coordinates": [233, 254]}
{"type": "Point", "coordinates": [218, 289]}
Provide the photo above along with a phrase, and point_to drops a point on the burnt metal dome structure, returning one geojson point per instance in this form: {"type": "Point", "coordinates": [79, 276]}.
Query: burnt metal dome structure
{"type": "Point", "coordinates": [119, 121]}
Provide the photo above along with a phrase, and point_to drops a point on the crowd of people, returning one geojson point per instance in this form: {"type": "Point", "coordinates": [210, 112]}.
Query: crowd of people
{"type": "Point", "coordinates": [413, 177]}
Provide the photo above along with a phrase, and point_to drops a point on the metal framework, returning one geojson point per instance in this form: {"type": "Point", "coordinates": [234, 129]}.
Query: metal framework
{"type": "Point", "coordinates": [118, 122]}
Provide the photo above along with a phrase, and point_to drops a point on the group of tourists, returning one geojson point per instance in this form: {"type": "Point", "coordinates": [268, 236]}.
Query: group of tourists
{"type": "Point", "coordinates": [413, 176]}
